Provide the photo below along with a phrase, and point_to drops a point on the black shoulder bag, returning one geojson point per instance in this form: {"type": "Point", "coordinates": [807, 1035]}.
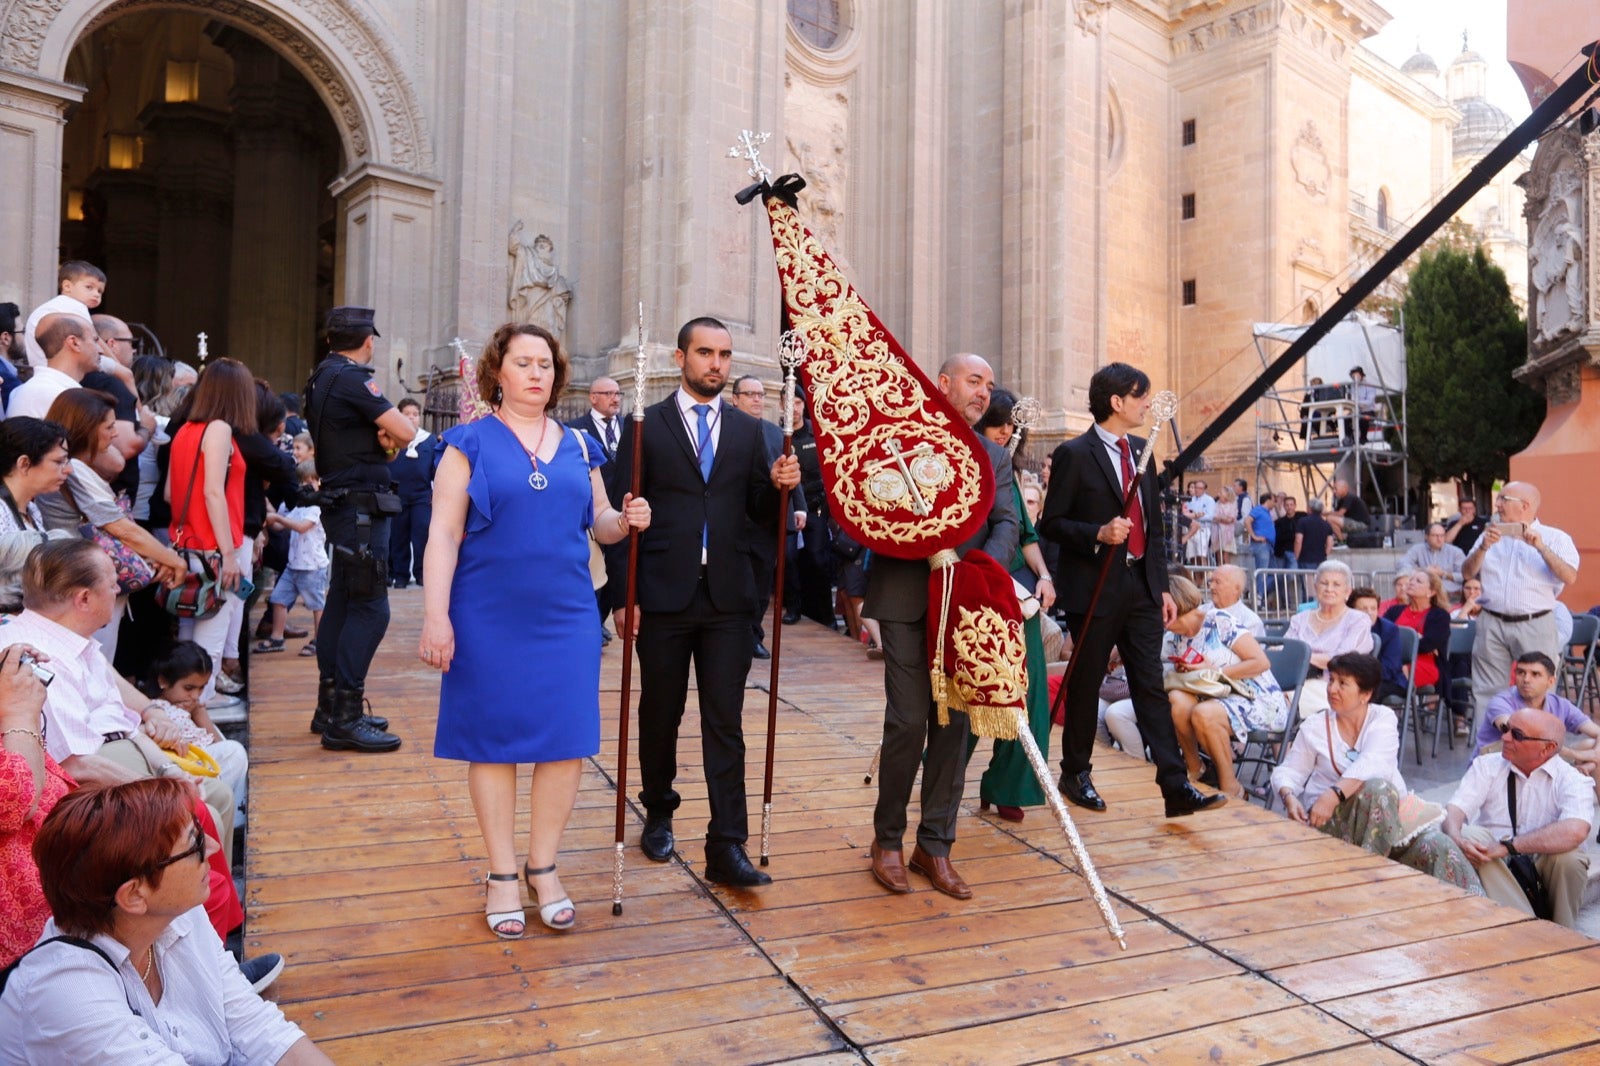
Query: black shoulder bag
{"type": "Point", "coordinates": [1522, 867]}
{"type": "Point", "coordinates": [77, 942]}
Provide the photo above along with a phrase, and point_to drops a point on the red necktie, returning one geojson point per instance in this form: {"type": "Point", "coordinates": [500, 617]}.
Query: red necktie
{"type": "Point", "coordinates": [1136, 512]}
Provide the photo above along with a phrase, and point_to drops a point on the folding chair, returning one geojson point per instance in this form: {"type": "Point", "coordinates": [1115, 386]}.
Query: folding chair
{"type": "Point", "coordinates": [1577, 670]}
{"type": "Point", "coordinates": [1264, 749]}
{"type": "Point", "coordinates": [1409, 639]}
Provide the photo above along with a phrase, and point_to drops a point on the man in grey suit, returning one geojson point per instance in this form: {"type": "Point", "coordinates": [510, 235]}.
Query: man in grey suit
{"type": "Point", "coordinates": [897, 596]}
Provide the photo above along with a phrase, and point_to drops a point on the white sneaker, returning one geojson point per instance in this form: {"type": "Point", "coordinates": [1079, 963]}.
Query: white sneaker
{"type": "Point", "coordinates": [227, 685]}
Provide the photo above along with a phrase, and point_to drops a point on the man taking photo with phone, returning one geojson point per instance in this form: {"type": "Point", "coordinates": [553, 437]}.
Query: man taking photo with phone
{"type": "Point", "coordinates": [1523, 565]}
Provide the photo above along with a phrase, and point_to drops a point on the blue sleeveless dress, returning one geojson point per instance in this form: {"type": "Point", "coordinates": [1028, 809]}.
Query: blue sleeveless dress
{"type": "Point", "coordinates": [525, 682]}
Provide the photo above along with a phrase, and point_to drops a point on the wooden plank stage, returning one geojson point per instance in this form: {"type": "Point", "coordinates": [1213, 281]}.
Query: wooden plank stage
{"type": "Point", "coordinates": [1250, 939]}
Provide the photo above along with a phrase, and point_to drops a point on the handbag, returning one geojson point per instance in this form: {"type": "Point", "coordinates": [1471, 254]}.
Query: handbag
{"type": "Point", "coordinates": [134, 572]}
{"type": "Point", "coordinates": [1523, 867]}
{"type": "Point", "coordinates": [597, 558]}
{"type": "Point", "coordinates": [1209, 684]}
{"type": "Point", "coordinates": [200, 594]}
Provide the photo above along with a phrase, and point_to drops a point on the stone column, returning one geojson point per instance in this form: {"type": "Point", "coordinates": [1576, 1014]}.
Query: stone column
{"type": "Point", "coordinates": [187, 149]}
{"type": "Point", "coordinates": [30, 174]}
{"type": "Point", "coordinates": [132, 234]}
{"type": "Point", "coordinates": [386, 219]}
{"type": "Point", "coordinates": [272, 312]}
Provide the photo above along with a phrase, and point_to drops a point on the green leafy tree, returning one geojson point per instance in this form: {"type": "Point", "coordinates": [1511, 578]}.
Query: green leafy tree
{"type": "Point", "coordinates": [1467, 415]}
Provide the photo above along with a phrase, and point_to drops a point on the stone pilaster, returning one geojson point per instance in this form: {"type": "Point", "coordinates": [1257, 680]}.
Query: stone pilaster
{"type": "Point", "coordinates": [30, 173]}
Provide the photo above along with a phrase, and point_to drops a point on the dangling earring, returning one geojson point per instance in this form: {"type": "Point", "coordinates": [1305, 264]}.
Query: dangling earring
{"type": "Point", "coordinates": [496, 396]}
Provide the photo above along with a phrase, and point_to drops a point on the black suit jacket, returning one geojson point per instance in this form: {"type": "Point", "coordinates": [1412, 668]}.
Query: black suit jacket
{"type": "Point", "coordinates": [1085, 493]}
{"type": "Point", "coordinates": [737, 504]}
{"type": "Point", "coordinates": [897, 589]}
{"type": "Point", "coordinates": [587, 424]}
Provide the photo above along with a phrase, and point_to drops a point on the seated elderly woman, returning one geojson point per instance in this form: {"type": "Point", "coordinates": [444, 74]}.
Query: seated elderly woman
{"type": "Point", "coordinates": [1342, 776]}
{"type": "Point", "coordinates": [1219, 683]}
{"type": "Point", "coordinates": [1332, 628]}
{"type": "Point", "coordinates": [147, 980]}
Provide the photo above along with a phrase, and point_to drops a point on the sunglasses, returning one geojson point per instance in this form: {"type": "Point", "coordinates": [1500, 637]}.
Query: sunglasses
{"type": "Point", "coordinates": [198, 849]}
{"type": "Point", "coordinates": [1517, 734]}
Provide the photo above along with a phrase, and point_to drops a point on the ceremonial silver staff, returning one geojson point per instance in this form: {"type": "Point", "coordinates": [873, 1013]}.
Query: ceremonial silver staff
{"type": "Point", "coordinates": [630, 606]}
{"type": "Point", "coordinates": [791, 353]}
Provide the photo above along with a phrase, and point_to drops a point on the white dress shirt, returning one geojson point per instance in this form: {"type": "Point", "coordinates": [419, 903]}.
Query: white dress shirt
{"type": "Point", "coordinates": [65, 1005]}
{"type": "Point", "coordinates": [1309, 770]}
{"type": "Point", "coordinates": [1553, 792]}
{"type": "Point", "coordinates": [691, 420]}
{"type": "Point", "coordinates": [34, 396]}
{"type": "Point", "coordinates": [1516, 579]}
{"type": "Point", "coordinates": [1248, 620]}
{"type": "Point", "coordinates": [83, 703]}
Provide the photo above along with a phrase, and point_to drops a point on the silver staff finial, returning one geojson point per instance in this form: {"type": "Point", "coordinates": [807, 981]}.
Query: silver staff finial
{"type": "Point", "coordinates": [791, 353]}
{"type": "Point", "coordinates": [749, 147]}
{"type": "Point", "coordinates": [1025, 414]}
{"type": "Point", "coordinates": [641, 361]}
{"type": "Point", "coordinates": [202, 352]}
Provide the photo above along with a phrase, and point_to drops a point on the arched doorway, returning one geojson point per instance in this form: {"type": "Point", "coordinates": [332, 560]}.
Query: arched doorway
{"type": "Point", "coordinates": [195, 172]}
{"type": "Point", "coordinates": [379, 234]}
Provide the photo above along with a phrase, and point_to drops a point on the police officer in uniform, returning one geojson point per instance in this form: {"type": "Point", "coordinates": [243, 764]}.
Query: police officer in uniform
{"type": "Point", "coordinates": [346, 410]}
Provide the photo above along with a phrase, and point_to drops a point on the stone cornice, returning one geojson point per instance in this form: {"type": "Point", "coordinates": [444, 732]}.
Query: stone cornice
{"type": "Point", "coordinates": [1379, 71]}
{"type": "Point", "coordinates": [1330, 27]}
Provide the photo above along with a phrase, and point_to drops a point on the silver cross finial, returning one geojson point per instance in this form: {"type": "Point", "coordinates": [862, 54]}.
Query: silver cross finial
{"type": "Point", "coordinates": [202, 352]}
{"type": "Point", "coordinates": [749, 147]}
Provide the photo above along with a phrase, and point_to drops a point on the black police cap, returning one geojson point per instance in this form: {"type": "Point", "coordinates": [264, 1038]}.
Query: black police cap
{"type": "Point", "coordinates": [352, 320]}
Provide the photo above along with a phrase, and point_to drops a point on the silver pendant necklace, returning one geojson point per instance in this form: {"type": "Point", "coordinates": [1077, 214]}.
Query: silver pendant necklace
{"type": "Point", "coordinates": [536, 480]}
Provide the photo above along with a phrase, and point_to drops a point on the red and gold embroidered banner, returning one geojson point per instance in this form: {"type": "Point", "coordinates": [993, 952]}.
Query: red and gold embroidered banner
{"type": "Point", "coordinates": [905, 475]}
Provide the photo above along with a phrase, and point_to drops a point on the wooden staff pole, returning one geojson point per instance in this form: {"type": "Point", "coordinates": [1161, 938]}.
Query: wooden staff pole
{"type": "Point", "coordinates": [629, 612]}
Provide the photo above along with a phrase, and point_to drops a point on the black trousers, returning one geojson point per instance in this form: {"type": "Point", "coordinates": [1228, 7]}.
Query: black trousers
{"type": "Point", "coordinates": [1127, 619]}
{"type": "Point", "coordinates": [808, 574]}
{"type": "Point", "coordinates": [351, 629]}
{"type": "Point", "coordinates": [408, 541]}
{"type": "Point", "coordinates": [764, 564]}
{"type": "Point", "coordinates": [718, 644]}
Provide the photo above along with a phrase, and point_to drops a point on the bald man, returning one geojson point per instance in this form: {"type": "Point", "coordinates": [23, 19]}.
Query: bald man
{"type": "Point", "coordinates": [1554, 815]}
{"type": "Point", "coordinates": [1226, 586]}
{"type": "Point", "coordinates": [1523, 565]}
{"type": "Point", "coordinates": [897, 596]}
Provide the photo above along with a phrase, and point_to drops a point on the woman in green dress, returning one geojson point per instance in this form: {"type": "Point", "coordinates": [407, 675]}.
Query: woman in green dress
{"type": "Point", "coordinates": [1009, 783]}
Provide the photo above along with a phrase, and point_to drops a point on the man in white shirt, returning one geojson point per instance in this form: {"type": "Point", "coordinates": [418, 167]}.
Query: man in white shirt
{"type": "Point", "coordinates": [97, 726]}
{"type": "Point", "coordinates": [1202, 511]}
{"type": "Point", "coordinates": [1554, 815]}
{"type": "Point", "coordinates": [1437, 557]}
{"type": "Point", "coordinates": [72, 350]}
{"type": "Point", "coordinates": [1226, 585]}
{"type": "Point", "coordinates": [1523, 565]}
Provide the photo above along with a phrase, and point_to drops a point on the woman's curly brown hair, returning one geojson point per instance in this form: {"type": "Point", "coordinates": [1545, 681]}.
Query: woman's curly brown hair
{"type": "Point", "coordinates": [495, 352]}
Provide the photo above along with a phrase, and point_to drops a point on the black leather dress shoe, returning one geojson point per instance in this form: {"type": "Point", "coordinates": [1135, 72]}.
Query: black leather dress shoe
{"type": "Point", "coordinates": [656, 840]}
{"type": "Point", "coordinates": [731, 866]}
{"type": "Point", "coordinates": [761, 651]}
{"type": "Point", "coordinates": [1079, 788]}
{"type": "Point", "coordinates": [791, 616]}
{"type": "Point", "coordinates": [1188, 799]}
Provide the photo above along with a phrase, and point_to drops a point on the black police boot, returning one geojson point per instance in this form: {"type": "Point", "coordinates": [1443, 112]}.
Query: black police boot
{"type": "Point", "coordinates": [319, 717]}
{"type": "Point", "coordinates": [348, 729]}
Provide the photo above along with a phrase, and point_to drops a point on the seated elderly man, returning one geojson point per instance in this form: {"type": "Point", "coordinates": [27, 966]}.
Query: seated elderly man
{"type": "Point", "coordinates": [1533, 688]}
{"type": "Point", "coordinates": [97, 726]}
{"type": "Point", "coordinates": [1526, 800]}
{"type": "Point", "coordinates": [1437, 557]}
{"type": "Point", "coordinates": [1226, 586]}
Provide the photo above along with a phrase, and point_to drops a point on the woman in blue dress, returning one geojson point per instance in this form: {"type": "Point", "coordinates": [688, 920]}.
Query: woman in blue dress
{"type": "Point", "coordinates": [509, 616]}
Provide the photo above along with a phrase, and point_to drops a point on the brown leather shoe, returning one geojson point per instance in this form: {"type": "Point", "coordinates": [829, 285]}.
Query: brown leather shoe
{"type": "Point", "coordinates": [937, 868]}
{"type": "Point", "coordinates": [889, 869]}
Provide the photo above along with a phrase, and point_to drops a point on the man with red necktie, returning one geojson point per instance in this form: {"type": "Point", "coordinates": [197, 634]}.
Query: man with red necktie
{"type": "Point", "coordinates": [1083, 512]}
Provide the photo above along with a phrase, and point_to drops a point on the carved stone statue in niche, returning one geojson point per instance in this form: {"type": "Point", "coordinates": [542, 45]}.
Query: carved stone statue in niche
{"type": "Point", "coordinates": [538, 294]}
{"type": "Point", "coordinates": [1555, 256]}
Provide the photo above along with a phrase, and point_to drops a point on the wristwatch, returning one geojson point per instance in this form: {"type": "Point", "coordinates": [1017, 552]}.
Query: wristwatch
{"type": "Point", "coordinates": [1509, 843]}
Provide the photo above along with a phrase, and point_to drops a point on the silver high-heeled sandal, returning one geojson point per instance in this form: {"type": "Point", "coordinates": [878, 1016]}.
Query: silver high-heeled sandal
{"type": "Point", "coordinates": [507, 925]}
{"type": "Point", "coordinates": [548, 911]}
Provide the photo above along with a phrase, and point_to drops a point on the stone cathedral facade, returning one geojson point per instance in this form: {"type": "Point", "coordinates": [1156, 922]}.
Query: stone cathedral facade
{"type": "Point", "coordinates": [1050, 183]}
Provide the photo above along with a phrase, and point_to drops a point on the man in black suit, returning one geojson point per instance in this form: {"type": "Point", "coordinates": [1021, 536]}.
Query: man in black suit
{"type": "Point", "coordinates": [604, 423]}
{"type": "Point", "coordinates": [897, 596]}
{"type": "Point", "coordinates": [1083, 512]}
{"type": "Point", "coordinates": [750, 396]}
{"type": "Point", "coordinates": [710, 483]}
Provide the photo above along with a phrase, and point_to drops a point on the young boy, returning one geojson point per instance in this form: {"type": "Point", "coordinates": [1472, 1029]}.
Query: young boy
{"type": "Point", "coordinates": [307, 573]}
{"type": "Point", "coordinates": [82, 287]}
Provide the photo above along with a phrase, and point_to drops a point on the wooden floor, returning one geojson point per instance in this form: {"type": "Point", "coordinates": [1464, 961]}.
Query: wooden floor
{"type": "Point", "coordinates": [1250, 939]}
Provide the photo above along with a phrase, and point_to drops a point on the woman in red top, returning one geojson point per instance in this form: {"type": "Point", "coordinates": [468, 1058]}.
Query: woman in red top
{"type": "Point", "coordinates": [31, 784]}
{"type": "Point", "coordinates": [205, 486]}
{"type": "Point", "coordinates": [1426, 610]}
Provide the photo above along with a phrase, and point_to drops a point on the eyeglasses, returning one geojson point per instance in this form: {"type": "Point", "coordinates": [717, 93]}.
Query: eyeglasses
{"type": "Point", "coordinates": [748, 395]}
{"type": "Point", "coordinates": [609, 392]}
{"type": "Point", "coordinates": [1517, 734]}
{"type": "Point", "coordinates": [198, 849]}
{"type": "Point", "coordinates": [1510, 499]}
{"type": "Point", "coordinates": [120, 340]}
